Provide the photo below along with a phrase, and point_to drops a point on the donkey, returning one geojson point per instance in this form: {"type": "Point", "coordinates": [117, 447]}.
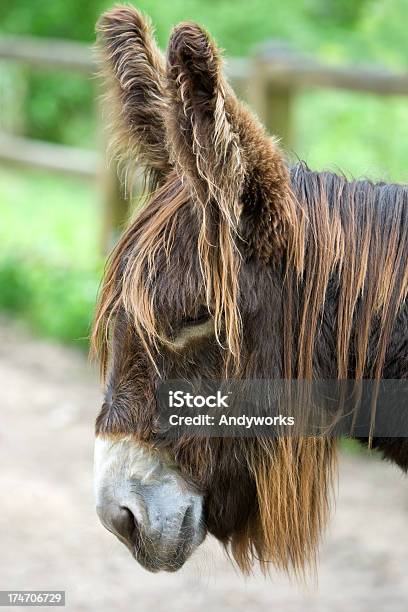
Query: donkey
{"type": "Point", "coordinates": [236, 265]}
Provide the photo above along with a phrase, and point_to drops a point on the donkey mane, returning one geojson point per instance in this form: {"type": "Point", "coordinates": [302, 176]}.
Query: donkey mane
{"type": "Point", "coordinates": [356, 243]}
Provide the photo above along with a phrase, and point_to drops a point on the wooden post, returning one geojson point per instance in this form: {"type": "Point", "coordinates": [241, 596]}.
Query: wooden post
{"type": "Point", "coordinates": [278, 112]}
{"type": "Point", "coordinates": [115, 208]}
{"type": "Point", "coordinates": [115, 202]}
{"type": "Point", "coordinates": [271, 101]}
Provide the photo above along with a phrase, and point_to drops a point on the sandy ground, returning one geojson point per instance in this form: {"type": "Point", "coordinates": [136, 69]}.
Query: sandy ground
{"type": "Point", "coordinates": [50, 537]}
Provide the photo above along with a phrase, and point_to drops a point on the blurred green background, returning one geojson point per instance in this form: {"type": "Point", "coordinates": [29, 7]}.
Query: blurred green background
{"type": "Point", "coordinates": [50, 256]}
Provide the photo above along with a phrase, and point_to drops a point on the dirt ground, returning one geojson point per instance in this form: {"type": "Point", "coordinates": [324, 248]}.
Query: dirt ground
{"type": "Point", "coordinates": [50, 537]}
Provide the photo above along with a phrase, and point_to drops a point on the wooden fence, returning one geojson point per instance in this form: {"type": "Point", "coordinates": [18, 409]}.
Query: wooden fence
{"type": "Point", "coordinates": [269, 81]}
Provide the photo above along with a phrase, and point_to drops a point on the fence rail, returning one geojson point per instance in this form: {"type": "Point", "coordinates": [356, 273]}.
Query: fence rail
{"type": "Point", "coordinates": [281, 66]}
{"type": "Point", "coordinates": [47, 156]}
{"type": "Point", "coordinates": [269, 81]}
{"type": "Point", "coordinates": [48, 53]}
{"type": "Point", "coordinates": [289, 69]}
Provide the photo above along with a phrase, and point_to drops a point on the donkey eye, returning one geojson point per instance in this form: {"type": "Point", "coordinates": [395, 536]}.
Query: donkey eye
{"type": "Point", "coordinates": [202, 316]}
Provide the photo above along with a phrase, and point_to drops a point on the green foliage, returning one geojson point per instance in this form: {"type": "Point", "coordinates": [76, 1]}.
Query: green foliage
{"type": "Point", "coordinates": [49, 257]}
{"type": "Point", "coordinates": [357, 134]}
{"type": "Point", "coordinates": [58, 106]}
{"type": "Point", "coordinates": [352, 447]}
{"type": "Point", "coordinates": [57, 301]}
{"type": "Point", "coordinates": [72, 100]}
{"type": "Point", "coordinates": [52, 215]}
{"type": "Point", "coordinates": [344, 14]}
{"type": "Point", "coordinates": [71, 19]}
{"type": "Point", "coordinates": [14, 291]}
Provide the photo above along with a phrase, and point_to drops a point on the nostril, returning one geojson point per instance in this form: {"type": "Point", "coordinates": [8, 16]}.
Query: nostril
{"type": "Point", "coordinates": [124, 523]}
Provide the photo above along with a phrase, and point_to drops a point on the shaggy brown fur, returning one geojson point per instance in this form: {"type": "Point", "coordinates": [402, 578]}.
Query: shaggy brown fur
{"type": "Point", "coordinates": [134, 70]}
{"type": "Point", "coordinates": [304, 275]}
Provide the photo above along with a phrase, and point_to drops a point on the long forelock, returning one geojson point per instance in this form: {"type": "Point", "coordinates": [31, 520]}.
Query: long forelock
{"type": "Point", "coordinates": [129, 281]}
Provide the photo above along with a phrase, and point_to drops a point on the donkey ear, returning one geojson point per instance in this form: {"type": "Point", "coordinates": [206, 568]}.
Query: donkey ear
{"type": "Point", "coordinates": [220, 146]}
{"type": "Point", "coordinates": [203, 142]}
{"type": "Point", "coordinates": [134, 69]}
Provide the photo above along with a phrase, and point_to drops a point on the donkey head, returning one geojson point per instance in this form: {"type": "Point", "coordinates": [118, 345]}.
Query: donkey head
{"type": "Point", "coordinates": [195, 289]}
